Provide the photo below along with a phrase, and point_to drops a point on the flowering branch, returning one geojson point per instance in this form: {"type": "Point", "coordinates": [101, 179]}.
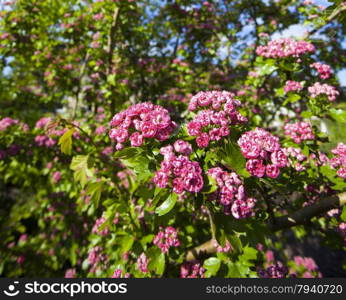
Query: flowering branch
{"type": "Point", "coordinates": [306, 213]}
{"type": "Point", "coordinates": [332, 16]}
{"type": "Point", "coordinates": [297, 218]}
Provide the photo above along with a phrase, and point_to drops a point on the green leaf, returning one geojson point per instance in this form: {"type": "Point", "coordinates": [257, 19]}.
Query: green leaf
{"type": "Point", "coordinates": [79, 165]}
{"type": "Point", "coordinates": [307, 114]}
{"type": "Point", "coordinates": [212, 265]}
{"type": "Point", "coordinates": [267, 69]}
{"type": "Point", "coordinates": [127, 153]}
{"type": "Point", "coordinates": [126, 243]}
{"type": "Point", "coordinates": [233, 158]}
{"type": "Point", "coordinates": [248, 254]}
{"type": "Point", "coordinates": [291, 98]}
{"type": "Point", "coordinates": [65, 141]}
{"type": "Point", "coordinates": [94, 190]}
{"type": "Point", "coordinates": [338, 115]}
{"type": "Point", "coordinates": [157, 261]}
{"type": "Point", "coordinates": [237, 270]}
{"type": "Point", "coordinates": [167, 205]}
{"type": "Point", "coordinates": [343, 215]}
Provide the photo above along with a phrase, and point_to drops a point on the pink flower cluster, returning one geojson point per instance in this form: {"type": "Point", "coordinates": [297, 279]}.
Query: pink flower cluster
{"type": "Point", "coordinates": [44, 141]}
{"type": "Point", "coordinates": [324, 70]}
{"type": "Point", "coordinates": [295, 158]}
{"type": "Point", "coordinates": [285, 47]}
{"type": "Point", "coordinates": [342, 231]}
{"type": "Point", "coordinates": [307, 262]}
{"type": "Point", "coordinates": [56, 176]}
{"type": "Point", "coordinates": [318, 89]}
{"type": "Point", "coordinates": [339, 161]}
{"type": "Point", "coordinates": [292, 85]}
{"type": "Point", "coordinates": [192, 270]}
{"type": "Point", "coordinates": [140, 121]}
{"type": "Point", "coordinates": [299, 131]}
{"type": "Point", "coordinates": [41, 123]}
{"type": "Point", "coordinates": [231, 194]}
{"type": "Point", "coordinates": [179, 171]}
{"type": "Point", "coordinates": [70, 273]}
{"type": "Point", "coordinates": [95, 257]}
{"type": "Point", "coordinates": [277, 270]}
{"type": "Point", "coordinates": [259, 147]}
{"type": "Point", "coordinates": [118, 274]}
{"type": "Point", "coordinates": [223, 249]}
{"type": "Point", "coordinates": [219, 111]}
{"type": "Point", "coordinates": [7, 122]}
{"type": "Point", "coordinates": [96, 228]}
{"type": "Point", "coordinates": [167, 238]}
{"type": "Point", "coordinates": [142, 263]}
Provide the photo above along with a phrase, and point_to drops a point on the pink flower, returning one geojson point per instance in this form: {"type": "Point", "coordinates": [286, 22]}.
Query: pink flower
{"type": "Point", "coordinates": [141, 121]}
{"type": "Point", "coordinates": [324, 70]}
{"type": "Point", "coordinates": [178, 171]}
{"type": "Point", "coordinates": [183, 147]}
{"type": "Point", "coordinates": [256, 167]}
{"type": "Point", "coordinates": [136, 139]}
{"type": "Point", "coordinates": [291, 85]}
{"type": "Point", "coordinates": [285, 47]}
{"type": "Point", "coordinates": [192, 270]}
{"type": "Point", "coordinates": [56, 176]}
{"type": "Point", "coordinates": [217, 111]}
{"type": "Point", "coordinates": [300, 131]}
{"type": "Point", "coordinates": [323, 89]}
{"type": "Point", "coordinates": [339, 160]}
{"type": "Point", "coordinates": [259, 145]}
{"type": "Point", "coordinates": [96, 228]}
{"type": "Point", "coordinates": [202, 140]}
{"type": "Point", "coordinates": [142, 263]}
{"type": "Point", "coordinates": [70, 273]}
{"type": "Point", "coordinates": [272, 171]}
{"type": "Point", "coordinates": [167, 238]}
{"type": "Point", "coordinates": [100, 130]}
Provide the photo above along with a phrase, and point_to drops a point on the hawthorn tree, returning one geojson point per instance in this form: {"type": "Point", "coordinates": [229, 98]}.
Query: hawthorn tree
{"type": "Point", "coordinates": [170, 138]}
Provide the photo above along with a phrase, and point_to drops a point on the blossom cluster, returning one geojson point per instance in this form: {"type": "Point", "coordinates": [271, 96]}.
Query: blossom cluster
{"type": "Point", "coordinates": [96, 228]}
{"type": "Point", "coordinates": [219, 111]}
{"type": "Point", "coordinates": [179, 171]}
{"type": "Point", "coordinates": [167, 238]}
{"type": "Point", "coordinates": [342, 230]}
{"type": "Point", "coordinates": [324, 70]}
{"type": "Point", "coordinates": [231, 194]}
{"type": "Point", "coordinates": [308, 262]}
{"type": "Point", "coordinates": [140, 121]}
{"type": "Point", "coordinates": [7, 122]}
{"type": "Point", "coordinates": [44, 141]}
{"type": "Point", "coordinates": [277, 270]}
{"type": "Point", "coordinates": [291, 85]}
{"type": "Point", "coordinates": [295, 158]}
{"type": "Point", "coordinates": [192, 270]}
{"type": "Point", "coordinates": [339, 160]}
{"type": "Point", "coordinates": [326, 89]}
{"type": "Point", "coordinates": [299, 131]}
{"type": "Point", "coordinates": [264, 153]}
{"type": "Point", "coordinates": [41, 123]}
{"type": "Point", "coordinates": [96, 257]}
{"type": "Point", "coordinates": [142, 263]}
{"type": "Point", "coordinates": [285, 47]}
{"type": "Point", "coordinates": [118, 274]}
{"type": "Point", "coordinates": [226, 248]}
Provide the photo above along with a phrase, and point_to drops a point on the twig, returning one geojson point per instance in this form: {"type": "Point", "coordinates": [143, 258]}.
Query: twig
{"type": "Point", "coordinates": [297, 218]}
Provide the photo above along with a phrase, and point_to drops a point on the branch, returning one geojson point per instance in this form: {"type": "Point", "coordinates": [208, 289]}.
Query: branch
{"type": "Point", "coordinates": [331, 17]}
{"type": "Point", "coordinates": [306, 213]}
{"type": "Point", "coordinates": [297, 218]}
{"type": "Point", "coordinates": [111, 39]}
